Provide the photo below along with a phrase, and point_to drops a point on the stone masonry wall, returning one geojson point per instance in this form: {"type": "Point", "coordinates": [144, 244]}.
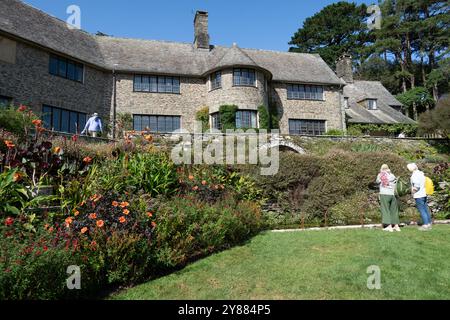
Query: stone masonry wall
{"type": "Point", "coordinates": [29, 82]}
{"type": "Point", "coordinates": [329, 109]}
{"type": "Point", "coordinates": [244, 97]}
{"type": "Point", "coordinates": [192, 98]}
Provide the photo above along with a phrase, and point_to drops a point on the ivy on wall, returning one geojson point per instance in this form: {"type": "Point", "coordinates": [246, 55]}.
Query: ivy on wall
{"type": "Point", "coordinates": [228, 116]}
{"type": "Point", "coordinates": [203, 116]}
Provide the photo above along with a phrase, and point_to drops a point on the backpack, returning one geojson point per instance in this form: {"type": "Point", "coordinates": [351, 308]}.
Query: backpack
{"type": "Point", "coordinates": [402, 188]}
{"type": "Point", "coordinates": [429, 186]}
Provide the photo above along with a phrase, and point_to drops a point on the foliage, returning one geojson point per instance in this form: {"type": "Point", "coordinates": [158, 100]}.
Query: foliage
{"type": "Point", "coordinates": [228, 116]}
{"type": "Point", "coordinates": [357, 129]}
{"type": "Point", "coordinates": [151, 172]}
{"type": "Point", "coordinates": [268, 117]}
{"type": "Point", "coordinates": [13, 195]}
{"type": "Point", "coordinates": [189, 229]}
{"type": "Point", "coordinates": [356, 209]}
{"type": "Point", "coordinates": [437, 121]}
{"type": "Point", "coordinates": [337, 29]}
{"type": "Point", "coordinates": [335, 132]}
{"type": "Point", "coordinates": [203, 116]}
{"type": "Point", "coordinates": [17, 120]}
{"type": "Point", "coordinates": [418, 96]}
{"type": "Point", "coordinates": [124, 122]}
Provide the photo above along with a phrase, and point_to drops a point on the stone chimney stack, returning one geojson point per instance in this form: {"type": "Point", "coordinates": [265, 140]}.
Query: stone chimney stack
{"type": "Point", "coordinates": [344, 68]}
{"type": "Point", "coordinates": [201, 30]}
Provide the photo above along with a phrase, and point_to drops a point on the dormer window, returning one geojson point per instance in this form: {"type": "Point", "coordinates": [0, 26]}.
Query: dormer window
{"type": "Point", "coordinates": [371, 104]}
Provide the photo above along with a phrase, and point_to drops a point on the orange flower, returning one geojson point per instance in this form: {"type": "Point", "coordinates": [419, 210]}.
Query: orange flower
{"type": "Point", "coordinates": [204, 183]}
{"type": "Point", "coordinates": [17, 176]}
{"type": "Point", "coordinates": [69, 221]}
{"type": "Point", "coordinates": [126, 211]}
{"type": "Point", "coordinates": [93, 216]}
{"type": "Point", "coordinates": [84, 230]}
{"type": "Point", "coordinates": [122, 220]}
{"type": "Point", "coordinates": [9, 144]}
{"type": "Point", "coordinates": [37, 123]}
{"type": "Point", "coordinates": [50, 229]}
{"type": "Point", "coordinates": [153, 224]}
{"type": "Point", "coordinates": [87, 160]}
{"type": "Point", "coordinates": [149, 138]}
{"type": "Point", "coordinates": [40, 129]}
{"type": "Point", "coordinates": [191, 177]}
{"type": "Point", "coordinates": [76, 213]}
{"type": "Point", "coordinates": [115, 204]}
{"type": "Point", "coordinates": [149, 214]}
{"type": "Point", "coordinates": [56, 150]}
{"type": "Point", "coordinates": [124, 204]}
{"type": "Point", "coordinates": [195, 188]}
{"type": "Point", "coordinates": [100, 223]}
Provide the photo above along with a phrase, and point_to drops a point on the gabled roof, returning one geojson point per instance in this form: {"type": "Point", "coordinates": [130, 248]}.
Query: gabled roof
{"type": "Point", "coordinates": [148, 56]}
{"type": "Point", "coordinates": [385, 113]}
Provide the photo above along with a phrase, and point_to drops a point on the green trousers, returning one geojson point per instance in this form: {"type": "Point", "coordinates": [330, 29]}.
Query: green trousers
{"type": "Point", "coordinates": [389, 209]}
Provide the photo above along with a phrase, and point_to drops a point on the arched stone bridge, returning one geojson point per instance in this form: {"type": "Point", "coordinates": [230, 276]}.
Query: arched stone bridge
{"type": "Point", "coordinates": [283, 143]}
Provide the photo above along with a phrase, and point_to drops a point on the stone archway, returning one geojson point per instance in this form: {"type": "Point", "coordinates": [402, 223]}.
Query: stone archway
{"type": "Point", "coordinates": [284, 144]}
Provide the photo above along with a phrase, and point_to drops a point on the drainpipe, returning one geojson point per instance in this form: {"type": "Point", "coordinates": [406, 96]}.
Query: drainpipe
{"type": "Point", "coordinates": [341, 104]}
{"type": "Point", "coordinates": [114, 101]}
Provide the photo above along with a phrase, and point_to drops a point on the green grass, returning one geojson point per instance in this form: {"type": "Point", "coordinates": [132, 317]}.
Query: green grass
{"type": "Point", "coordinates": [315, 265]}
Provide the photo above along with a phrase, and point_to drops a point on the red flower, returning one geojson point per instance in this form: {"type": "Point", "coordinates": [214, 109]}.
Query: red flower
{"type": "Point", "coordinates": [122, 220]}
{"type": "Point", "coordinates": [153, 224]}
{"type": "Point", "coordinates": [100, 223]}
{"type": "Point", "coordinates": [93, 216]}
{"type": "Point", "coordinates": [22, 108]}
{"type": "Point", "coordinates": [87, 160]}
{"type": "Point", "coordinates": [75, 138]}
{"type": "Point", "coordinates": [149, 214]}
{"type": "Point", "coordinates": [9, 221]}
{"type": "Point", "coordinates": [45, 248]}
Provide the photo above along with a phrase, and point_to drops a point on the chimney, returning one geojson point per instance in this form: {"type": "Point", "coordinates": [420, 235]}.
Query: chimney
{"type": "Point", "coordinates": [344, 68]}
{"type": "Point", "coordinates": [201, 30]}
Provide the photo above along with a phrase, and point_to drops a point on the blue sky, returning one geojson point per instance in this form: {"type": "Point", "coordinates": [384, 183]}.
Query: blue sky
{"type": "Point", "coordinates": [262, 24]}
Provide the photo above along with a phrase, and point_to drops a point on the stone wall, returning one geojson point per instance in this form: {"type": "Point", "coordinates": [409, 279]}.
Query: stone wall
{"type": "Point", "coordinates": [249, 98]}
{"type": "Point", "coordinates": [192, 98]}
{"type": "Point", "coordinates": [29, 82]}
{"type": "Point", "coordinates": [329, 109]}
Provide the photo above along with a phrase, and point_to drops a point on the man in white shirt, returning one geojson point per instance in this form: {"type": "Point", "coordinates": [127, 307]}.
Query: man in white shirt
{"type": "Point", "coordinates": [420, 195]}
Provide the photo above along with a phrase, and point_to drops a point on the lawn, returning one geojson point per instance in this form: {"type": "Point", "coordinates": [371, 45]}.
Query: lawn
{"type": "Point", "coordinates": [315, 265]}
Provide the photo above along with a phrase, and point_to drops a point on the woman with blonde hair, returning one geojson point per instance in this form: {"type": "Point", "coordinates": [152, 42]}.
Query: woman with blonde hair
{"type": "Point", "coordinates": [388, 201]}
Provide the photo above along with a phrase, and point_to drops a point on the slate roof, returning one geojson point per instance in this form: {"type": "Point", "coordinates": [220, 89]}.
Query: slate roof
{"type": "Point", "coordinates": [134, 55]}
{"type": "Point", "coordinates": [385, 113]}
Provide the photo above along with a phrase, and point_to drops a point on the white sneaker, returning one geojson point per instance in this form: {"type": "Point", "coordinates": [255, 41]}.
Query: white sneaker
{"type": "Point", "coordinates": [425, 227]}
{"type": "Point", "coordinates": [388, 229]}
{"type": "Point", "coordinates": [397, 229]}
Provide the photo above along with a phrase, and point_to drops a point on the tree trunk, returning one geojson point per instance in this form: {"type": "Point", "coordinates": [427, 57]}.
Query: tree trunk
{"type": "Point", "coordinates": [435, 92]}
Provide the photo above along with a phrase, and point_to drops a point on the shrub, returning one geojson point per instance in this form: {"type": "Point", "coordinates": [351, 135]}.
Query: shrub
{"type": "Point", "coordinates": [264, 118]}
{"type": "Point", "coordinates": [356, 209]}
{"type": "Point", "coordinates": [335, 132]}
{"type": "Point", "coordinates": [436, 121]}
{"type": "Point", "coordinates": [189, 229]}
{"type": "Point", "coordinates": [203, 116]}
{"type": "Point", "coordinates": [17, 120]}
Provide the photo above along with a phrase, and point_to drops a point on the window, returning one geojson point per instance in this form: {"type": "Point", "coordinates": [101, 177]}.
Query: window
{"type": "Point", "coordinates": [304, 92]}
{"type": "Point", "coordinates": [157, 84]}
{"type": "Point", "coordinates": [66, 68]}
{"type": "Point", "coordinates": [346, 105]}
{"type": "Point", "coordinates": [244, 77]}
{"type": "Point", "coordinates": [307, 127]}
{"type": "Point", "coordinates": [62, 120]}
{"type": "Point", "coordinates": [162, 124]}
{"type": "Point", "coordinates": [372, 104]}
{"type": "Point", "coordinates": [216, 80]}
{"type": "Point", "coordinates": [246, 119]}
{"type": "Point", "coordinates": [215, 121]}
{"type": "Point", "coordinates": [5, 101]}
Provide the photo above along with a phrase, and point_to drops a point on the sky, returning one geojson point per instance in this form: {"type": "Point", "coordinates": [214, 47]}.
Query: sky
{"type": "Point", "coordinates": [260, 24]}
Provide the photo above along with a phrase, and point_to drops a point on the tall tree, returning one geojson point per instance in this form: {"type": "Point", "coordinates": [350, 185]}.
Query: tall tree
{"type": "Point", "coordinates": [337, 29]}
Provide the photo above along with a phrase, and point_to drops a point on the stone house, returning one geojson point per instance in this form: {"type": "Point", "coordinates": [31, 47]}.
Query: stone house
{"type": "Point", "coordinates": [67, 74]}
